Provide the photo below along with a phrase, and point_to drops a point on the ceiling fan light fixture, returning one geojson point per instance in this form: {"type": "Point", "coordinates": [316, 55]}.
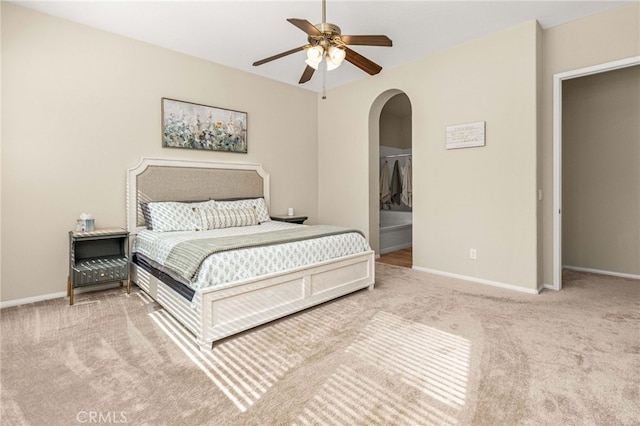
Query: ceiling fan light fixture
{"type": "Point", "coordinates": [314, 54]}
{"type": "Point", "coordinates": [335, 56]}
{"type": "Point", "coordinates": [313, 65]}
{"type": "Point", "coordinates": [331, 65]}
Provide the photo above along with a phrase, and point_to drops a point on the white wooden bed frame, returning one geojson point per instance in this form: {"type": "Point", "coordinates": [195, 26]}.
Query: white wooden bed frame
{"type": "Point", "coordinates": [223, 310]}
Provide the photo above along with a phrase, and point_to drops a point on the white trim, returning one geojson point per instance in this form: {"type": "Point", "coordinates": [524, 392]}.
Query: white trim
{"type": "Point", "coordinates": [58, 295]}
{"type": "Point", "coordinates": [557, 152]}
{"type": "Point", "coordinates": [557, 183]}
{"type": "Point", "coordinates": [480, 280]}
{"type": "Point", "coordinates": [601, 272]}
{"type": "Point", "coordinates": [18, 302]}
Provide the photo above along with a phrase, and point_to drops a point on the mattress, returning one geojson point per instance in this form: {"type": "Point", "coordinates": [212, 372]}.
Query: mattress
{"type": "Point", "coordinates": [236, 265]}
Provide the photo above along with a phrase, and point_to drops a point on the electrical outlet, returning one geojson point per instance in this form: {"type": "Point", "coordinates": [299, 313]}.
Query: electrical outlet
{"type": "Point", "coordinates": [473, 254]}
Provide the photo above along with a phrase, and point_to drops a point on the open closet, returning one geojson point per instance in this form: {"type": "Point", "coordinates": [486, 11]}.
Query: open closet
{"type": "Point", "coordinates": [600, 173]}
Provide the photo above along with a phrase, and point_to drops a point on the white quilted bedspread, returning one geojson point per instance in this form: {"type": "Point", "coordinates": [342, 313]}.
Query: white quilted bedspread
{"type": "Point", "coordinates": [247, 263]}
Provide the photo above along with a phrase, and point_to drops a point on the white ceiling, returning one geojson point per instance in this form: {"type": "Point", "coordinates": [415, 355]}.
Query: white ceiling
{"type": "Point", "coordinates": [238, 33]}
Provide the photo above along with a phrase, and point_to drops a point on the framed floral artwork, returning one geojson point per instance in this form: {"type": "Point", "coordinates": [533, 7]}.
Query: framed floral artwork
{"type": "Point", "coordinates": [196, 126]}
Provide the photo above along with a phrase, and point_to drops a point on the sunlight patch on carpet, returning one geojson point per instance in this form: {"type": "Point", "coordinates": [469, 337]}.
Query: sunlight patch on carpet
{"type": "Point", "coordinates": [187, 343]}
{"type": "Point", "coordinates": [245, 367]}
{"type": "Point", "coordinates": [348, 397]}
{"type": "Point", "coordinates": [430, 360]}
{"type": "Point", "coordinates": [144, 297]}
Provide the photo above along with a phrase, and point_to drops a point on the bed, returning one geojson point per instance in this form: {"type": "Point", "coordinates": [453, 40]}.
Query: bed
{"type": "Point", "coordinates": [216, 301]}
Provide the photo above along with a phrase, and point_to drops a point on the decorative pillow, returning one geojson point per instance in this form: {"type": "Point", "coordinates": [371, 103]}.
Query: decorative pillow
{"type": "Point", "coordinates": [165, 216]}
{"type": "Point", "coordinates": [212, 218]}
{"type": "Point", "coordinates": [260, 206]}
{"type": "Point", "coordinates": [144, 207]}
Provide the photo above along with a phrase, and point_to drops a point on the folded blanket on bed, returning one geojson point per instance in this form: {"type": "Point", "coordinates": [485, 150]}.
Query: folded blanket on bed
{"type": "Point", "coordinates": [186, 257]}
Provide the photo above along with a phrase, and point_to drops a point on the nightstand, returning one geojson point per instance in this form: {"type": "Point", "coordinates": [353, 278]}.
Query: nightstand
{"type": "Point", "coordinates": [98, 257]}
{"type": "Point", "coordinates": [290, 219]}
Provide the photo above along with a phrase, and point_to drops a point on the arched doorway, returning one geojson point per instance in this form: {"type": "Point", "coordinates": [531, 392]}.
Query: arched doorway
{"type": "Point", "coordinates": [391, 161]}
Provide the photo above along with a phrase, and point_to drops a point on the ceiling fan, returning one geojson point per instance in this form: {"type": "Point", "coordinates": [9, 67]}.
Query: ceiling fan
{"type": "Point", "coordinates": [326, 41]}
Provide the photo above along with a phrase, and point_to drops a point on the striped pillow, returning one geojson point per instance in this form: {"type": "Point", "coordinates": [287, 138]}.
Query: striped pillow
{"type": "Point", "coordinates": [226, 218]}
{"type": "Point", "coordinates": [259, 204]}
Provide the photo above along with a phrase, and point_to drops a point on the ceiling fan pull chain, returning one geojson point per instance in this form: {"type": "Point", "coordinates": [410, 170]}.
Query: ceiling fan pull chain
{"type": "Point", "coordinates": [324, 80]}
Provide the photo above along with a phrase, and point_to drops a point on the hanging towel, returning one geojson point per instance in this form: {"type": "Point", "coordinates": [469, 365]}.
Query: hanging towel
{"type": "Point", "coordinates": [407, 193]}
{"type": "Point", "coordinates": [385, 195]}
{"type": "Point", "coordinates": [396, 184]}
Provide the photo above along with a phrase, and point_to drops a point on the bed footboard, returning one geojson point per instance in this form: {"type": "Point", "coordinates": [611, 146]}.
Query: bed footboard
{"type": "Point", "coordinates": [222, 311]}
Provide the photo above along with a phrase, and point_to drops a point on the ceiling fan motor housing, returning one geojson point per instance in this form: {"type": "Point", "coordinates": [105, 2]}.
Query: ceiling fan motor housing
{"type": "Point", "coordinates": [330, 36]}
{"type": "Point", "coordinates": [328, 28]}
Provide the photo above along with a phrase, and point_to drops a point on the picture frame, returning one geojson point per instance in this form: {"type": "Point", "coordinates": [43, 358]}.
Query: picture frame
{"type": "Point", "coordinates": [465, 135]}
{"type": "Point", "coordinates": [196, 126]}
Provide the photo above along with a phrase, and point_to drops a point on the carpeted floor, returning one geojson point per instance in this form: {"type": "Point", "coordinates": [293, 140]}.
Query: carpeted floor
{"type": "Point", "coordinates": [419, 349]}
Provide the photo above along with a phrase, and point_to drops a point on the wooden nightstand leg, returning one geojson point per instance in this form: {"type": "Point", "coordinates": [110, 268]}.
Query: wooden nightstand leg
{"type": "Point", "coordinates": [70, 290]}
{"type": "Point", "coordinates": [121, 284]}
{"type": "Point", "coordinates": [128, 285]}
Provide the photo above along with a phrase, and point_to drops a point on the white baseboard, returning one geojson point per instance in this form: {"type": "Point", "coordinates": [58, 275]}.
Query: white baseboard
{"type": "Point", "coordinates": [601, 272]}
{"type": "Point", "coordinates": [60, 294]}
{"type": "Point", "coordinates": [480, 280]}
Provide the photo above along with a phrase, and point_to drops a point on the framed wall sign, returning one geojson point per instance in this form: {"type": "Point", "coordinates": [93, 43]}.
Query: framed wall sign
{"type": "Point", "coordinates": [465, 135]}
{"type": "Point", "coordinates": [195, 126]}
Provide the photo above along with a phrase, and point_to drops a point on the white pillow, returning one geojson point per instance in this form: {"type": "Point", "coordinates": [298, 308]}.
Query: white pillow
{"type": "Point", "coordinates": [226, 218]}
{"type": "Point", "coordinates": [165, 216]}
{"type": "Point", "coordinates": [260, 206]}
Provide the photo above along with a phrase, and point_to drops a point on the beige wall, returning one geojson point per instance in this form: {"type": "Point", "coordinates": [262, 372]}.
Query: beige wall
{"type": "Point", "coordinates": [395, 131]}
{"type": "Point", "coordinates": [395, 123]}
{"type": "Point", "coordinates": [482, 198]}
{"type": "Point", "coordinates": [601, 171]}
{"type": "Point", "coordinates": [81, 106]}
{"type": "Point", "coordinates": [475, 94]}
{"type": "Point", "coordinates": [594, 40]}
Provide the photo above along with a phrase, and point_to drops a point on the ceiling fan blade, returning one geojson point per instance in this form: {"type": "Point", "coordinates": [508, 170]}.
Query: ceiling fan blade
{"type": "Point", "coordinates": [278, 56]}
{"type": "Point", "coordinates": [361, 62]}
{"type": "Point", "coordinates": [306, 75]}
{"type": "Point", "coordinates": [305, 26]}
{"type": "Point", "coordinates": [367, 40]}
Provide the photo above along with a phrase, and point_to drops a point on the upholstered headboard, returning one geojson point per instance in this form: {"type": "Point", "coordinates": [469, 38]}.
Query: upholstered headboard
{"type": "Point", "coordinates": [155, 179]}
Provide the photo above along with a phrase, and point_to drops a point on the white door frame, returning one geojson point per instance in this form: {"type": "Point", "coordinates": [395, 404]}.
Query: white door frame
{"type": "Point", "coordinates": [557, 152]}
